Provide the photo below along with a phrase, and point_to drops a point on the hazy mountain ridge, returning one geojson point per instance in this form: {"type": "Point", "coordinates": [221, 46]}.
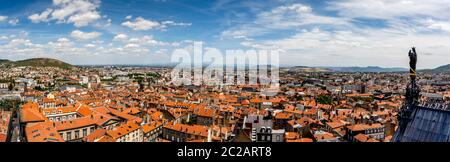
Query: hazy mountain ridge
{"type": "Point", "coordinates": [367, 69]}
{"type": "Point", "coordinates": [440, 69]}
{"type": "Point", "coordinates": [347, 69]}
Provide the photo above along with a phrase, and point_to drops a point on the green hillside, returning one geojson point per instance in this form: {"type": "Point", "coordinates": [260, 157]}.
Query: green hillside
{"type": "Point", "coordinates": [38, 62]}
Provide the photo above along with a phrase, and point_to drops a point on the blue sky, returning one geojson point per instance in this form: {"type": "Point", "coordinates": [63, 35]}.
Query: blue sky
{"type": "Point", "coordinates": [307, 32]}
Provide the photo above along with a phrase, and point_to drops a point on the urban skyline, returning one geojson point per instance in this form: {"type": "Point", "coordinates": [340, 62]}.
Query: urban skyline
{"type": "Point", "coordinates": [308, 33]}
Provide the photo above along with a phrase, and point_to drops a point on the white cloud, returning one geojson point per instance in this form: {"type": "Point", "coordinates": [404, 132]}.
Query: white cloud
{"type": "Point", "coordinates": [317, 39]}
{"type": "Point", "coordinates": [287, 17]}
{"type": "Point", "coordinates": [19, 42]}
{"type": "Point", "coordinates": [43, 17]}
{"type": "Point", "coordinates": [79, 12]}
{"type": "Point", "coordinates": [294, 15]}
{"type": "Point", "coordinates": [437, 25]}
{"type": "Point", "coordinates": [14, 21]}
{"type": "Point", "coordinates": [165, 24]}
{"type": "Point", "coordinates": [80, 20]}
{"type": "Point", "coordinates": [79, 35]}
{"type": "Point", "coordinates": [3, 18]}
{"type": "Point", "coordinates": [129, 17]}
{"type": "Point", "coordinates": [63, 46]}
{"type": "Point", "coordinates": [134, 48]}
{"type": "Point", "coordinates": [21, 46]}
{"type": "Point", "coordinates": [321, 40]}
{"type": "Point", "coordinates": [109, 22]}
{"type": "Point", "coordinates": [142, 41]}
{"type": "Point", "coordinates": [161, 51]}
{"type": "Point", "coordinates": [90, 45]}
{"type": "Point", "coordinates": [132, 45]}
{"type": "Point", "coordinates": [141, 24]}
{"type": "Point", "coordinates": [236, 34]}
{"type": "Point", "coordinates": [4, 37]}
{"type": "Point", "coordinates": [391, 9]}
{"type": "Point", "coordinates": [120, 37]}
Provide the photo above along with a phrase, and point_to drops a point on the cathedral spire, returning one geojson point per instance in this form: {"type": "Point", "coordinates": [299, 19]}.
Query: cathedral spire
{"type": "Point", "coordinates": [412, 97]}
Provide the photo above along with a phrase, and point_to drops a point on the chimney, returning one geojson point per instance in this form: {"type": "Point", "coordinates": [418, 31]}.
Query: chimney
{"type": "Point", "coordinates": [209, 135]}
{"type": "Point", "coordinates": [188, 117]}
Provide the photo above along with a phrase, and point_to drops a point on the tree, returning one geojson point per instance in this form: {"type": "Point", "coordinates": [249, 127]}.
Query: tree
{"type": "Point", "coordinates": [324, 99]}
{"type": "Point", "coordinates": [10, 104]}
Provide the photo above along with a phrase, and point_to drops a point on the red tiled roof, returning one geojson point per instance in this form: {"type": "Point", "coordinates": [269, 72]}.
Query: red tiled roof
{"type": "Point", "coordinates": [42, 132]}
{"type": "Point", "coordinates": [189, 129]}
{"type": "Point", "coordinates": [123, 130]}
{"type": "Point", "coordinates": [75, 123]}
{"type": "Point", "coordinates": [2, 138]}
{"type": "Point", "coordinates": [301, 140]}
{"type": "Point", "coordinates": [97, 134]}
{"type": "Point", "coordinates": [30, 113]}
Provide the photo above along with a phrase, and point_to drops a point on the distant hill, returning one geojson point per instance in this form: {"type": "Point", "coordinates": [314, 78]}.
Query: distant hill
{"type": "Point", "coordinates": [4, 61]}
{"type": "Point", "coordinates": [440, 69]}
{"type": "Point", "coordinates": [345, 69]}
{"type": "Point", "coordinates": [38, 62]}
{"type": "Point", "coordinates": [366, 69]}
{"type": "Point", "coordinates": [308, 69]}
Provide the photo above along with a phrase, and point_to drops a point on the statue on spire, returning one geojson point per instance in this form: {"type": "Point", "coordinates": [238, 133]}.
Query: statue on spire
{"type": "Point", "coordinates": [412, 61]}
{"type": "Point", "coordinates": [412, 97]}
{"type": "Point", "coordinates": [413, 91]}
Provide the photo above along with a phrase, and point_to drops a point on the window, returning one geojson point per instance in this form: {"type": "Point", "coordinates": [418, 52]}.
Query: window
{"type": "Point", "coordinates": [69, 136]}
{"type": "Point", "coordinates": [278, 138]}
{"type": "Point", "coordinates": [77, 134]}
{"type": "Point", "coordinates": [85, 132]}
{"type": "Point", "coordinates": [63, 118]}
{"type": "Point", "coordinates": [92, 129]}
